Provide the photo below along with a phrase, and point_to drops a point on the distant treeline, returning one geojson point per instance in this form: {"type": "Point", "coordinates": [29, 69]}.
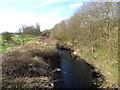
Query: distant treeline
{"type": "Point", "coordinates": [95, 25]}
{"type": "Point", "coordinates": [26, 30]}
{"type": "Point", "coordinates": [30, 30]}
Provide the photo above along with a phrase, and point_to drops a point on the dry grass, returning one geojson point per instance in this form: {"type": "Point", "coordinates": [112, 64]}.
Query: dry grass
{"type": "Point", "coordinates": [29, 66]}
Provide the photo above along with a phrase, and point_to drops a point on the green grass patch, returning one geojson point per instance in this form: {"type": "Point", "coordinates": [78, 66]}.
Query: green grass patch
{"type": "Point", "coordinates": [17, 40]}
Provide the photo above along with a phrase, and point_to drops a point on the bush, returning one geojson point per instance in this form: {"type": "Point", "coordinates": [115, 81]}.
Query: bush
{"type": "Point", "coordinates": [30, 30]}
{"type": "Point", "coordinates": [46, 33]}
{"type": "Point", "coordinates": [6, 36]}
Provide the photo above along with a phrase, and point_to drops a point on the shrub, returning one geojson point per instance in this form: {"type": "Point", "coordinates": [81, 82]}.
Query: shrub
{"type": "Point", "coordinates": [46, 33]}
{"type": "Point", "coordinates": [7, 36]}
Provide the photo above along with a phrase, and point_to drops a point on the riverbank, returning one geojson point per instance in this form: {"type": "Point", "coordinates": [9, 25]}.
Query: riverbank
{"type": "Point", "coordinates": [77, 73]}
{"type": "Point", "coordinates": [104, 62]}
{"type": "Point", "coordinates": [32, 65]}
{"type": "Point", "coordinates": [36, 65]}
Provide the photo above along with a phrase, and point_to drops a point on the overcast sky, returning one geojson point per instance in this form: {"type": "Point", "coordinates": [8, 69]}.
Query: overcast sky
{"type": "Point", "coordinates": [15, 13]}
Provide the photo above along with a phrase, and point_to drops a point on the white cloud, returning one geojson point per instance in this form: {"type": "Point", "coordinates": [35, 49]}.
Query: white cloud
{"type": "Point", "coordinates": [54, 1]}
{"type": "Point", "coordinates": [104, 1]}
{"type": "Point", "coordinates": [61, 1]}
{"type": "Point", "coordinates": [75, 5]}
{"type": "Point", "coordinates": [10, 21]}
{"type": "Point", "coordinates": [51, 14]}
{"type": "Point", "coordinates": [46, 1]}
{"type": "Point", "coordinates": [21, 0]}
{"type": "Point", "coordinates": [54, 13]}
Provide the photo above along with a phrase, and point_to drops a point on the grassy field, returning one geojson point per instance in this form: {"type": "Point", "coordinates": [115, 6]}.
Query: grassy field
{"type": "Point", "coordinates": [17, 40]}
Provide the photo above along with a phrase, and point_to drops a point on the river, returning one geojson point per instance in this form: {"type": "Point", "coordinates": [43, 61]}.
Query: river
{"type": "Point", "coordinates": [74, 73]}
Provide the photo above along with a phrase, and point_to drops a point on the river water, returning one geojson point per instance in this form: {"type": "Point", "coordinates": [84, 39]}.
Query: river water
{"type": "Point", "coordinates": [74, 73]}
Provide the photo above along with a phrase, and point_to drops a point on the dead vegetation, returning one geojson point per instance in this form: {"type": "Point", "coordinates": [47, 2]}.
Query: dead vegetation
{"type": "Point", "coordinates": [30, 66]}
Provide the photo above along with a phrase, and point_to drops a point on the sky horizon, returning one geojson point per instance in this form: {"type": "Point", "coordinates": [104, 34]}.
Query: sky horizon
{"type": "Point", "coordinates": [15, 13]}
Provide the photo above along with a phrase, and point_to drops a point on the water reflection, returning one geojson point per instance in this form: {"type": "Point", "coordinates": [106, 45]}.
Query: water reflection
{"type": "Point", "coordinates": [75, 74]}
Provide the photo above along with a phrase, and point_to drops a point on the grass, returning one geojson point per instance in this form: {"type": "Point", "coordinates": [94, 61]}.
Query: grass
{"type": "Point", "coordinates": [106, 62]}
{"type": "Point", "coordinates": [17, 40]}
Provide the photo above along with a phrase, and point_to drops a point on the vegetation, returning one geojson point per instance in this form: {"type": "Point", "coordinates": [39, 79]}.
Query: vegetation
{"type": "Point", "coordinates": [15, 40]}
{"type": "Point", "coordinates": [9, 40]}
{"type": "Point", "coordinates": [30, 30]}
{"type": "Point", "coordinates": [26, 33]}
{"type": "Point", "coordinates": [93, 34]}
{"type": "Point", "coordinates": [6, 36]}
{"type": "Point", "coordinates": [45, 33]}
{"type": "Point", "coordinates": [34, 67]}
